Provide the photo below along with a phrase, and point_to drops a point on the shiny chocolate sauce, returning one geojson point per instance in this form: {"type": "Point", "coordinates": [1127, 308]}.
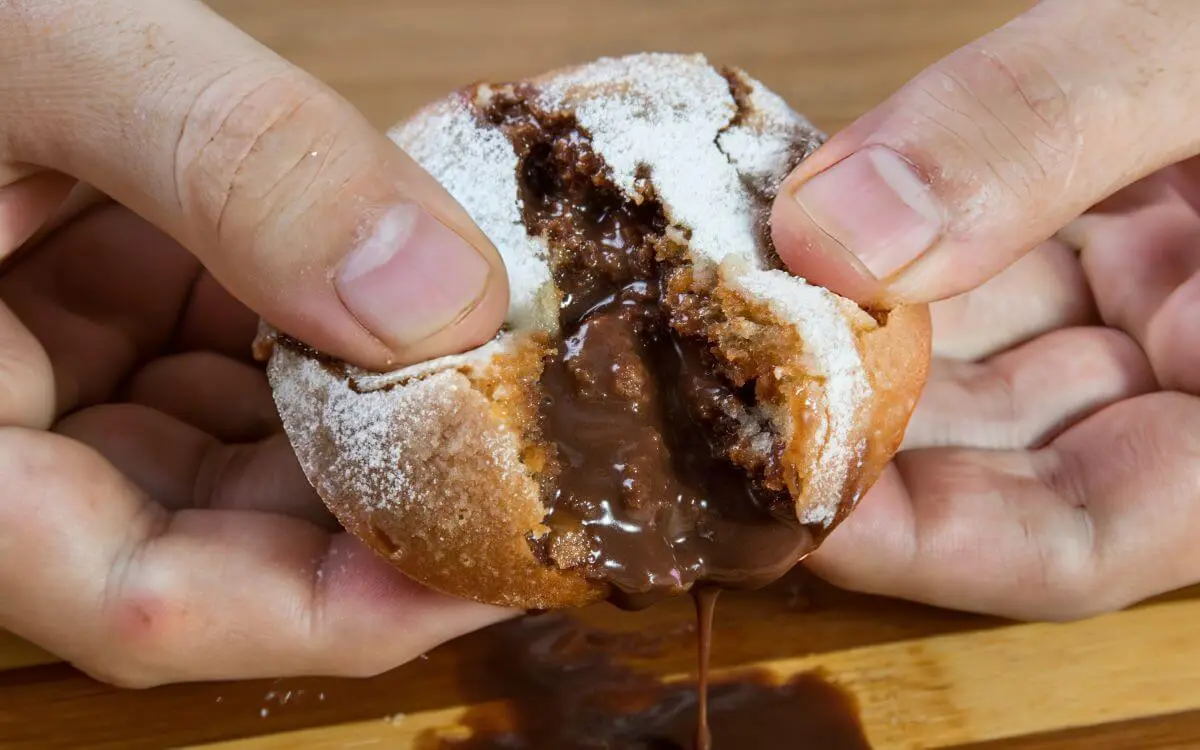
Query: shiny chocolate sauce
{"type": "Point", "coordinates": [570, 692]}
{"type": "Point", "coordinates": [653, 489]}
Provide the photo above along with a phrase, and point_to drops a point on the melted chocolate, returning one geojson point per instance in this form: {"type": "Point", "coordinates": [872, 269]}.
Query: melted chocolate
{"type": "Point", "coordinates": [570, 693]}
{"type": "Point", "coordinates": [653, 489]}
{"type": "Point", "coordinates": [659, 510]}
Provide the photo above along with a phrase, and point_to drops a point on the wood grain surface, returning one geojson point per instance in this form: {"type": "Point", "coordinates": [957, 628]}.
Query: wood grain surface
{"type": "Point", "coordinates": [922, 677]}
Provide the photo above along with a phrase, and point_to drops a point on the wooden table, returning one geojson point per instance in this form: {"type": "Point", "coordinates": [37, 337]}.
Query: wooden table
{"type": "Point", "coordinates": [921, 677]}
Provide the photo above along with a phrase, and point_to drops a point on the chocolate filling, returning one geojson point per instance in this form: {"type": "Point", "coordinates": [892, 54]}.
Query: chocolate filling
{"type": "Point", "coordinates": [665, 476]}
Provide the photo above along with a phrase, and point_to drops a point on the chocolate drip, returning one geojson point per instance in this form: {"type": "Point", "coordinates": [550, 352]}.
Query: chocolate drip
{"type": "Point", "coordinates": [706, 604]}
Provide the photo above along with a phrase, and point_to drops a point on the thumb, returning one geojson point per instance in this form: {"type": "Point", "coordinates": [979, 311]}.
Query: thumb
{"type": "Point", "coordinates": [990, 151]}
{"type": "Point", "coordinates": [287, 194]}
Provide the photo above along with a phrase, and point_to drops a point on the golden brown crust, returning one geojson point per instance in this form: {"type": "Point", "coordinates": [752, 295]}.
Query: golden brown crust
{"type": "Point", "coordinates": [896, 357]}
{"type": "Point", "coordinates": [467, 505]}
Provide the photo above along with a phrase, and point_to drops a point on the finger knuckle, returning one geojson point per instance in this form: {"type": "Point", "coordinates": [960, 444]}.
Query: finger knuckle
{"type": "Point", "coordinates": [140, 640]}
{"type": "Point", "coordinates": [137, 644]}
{"type": "Point", "coordinates": [247, 148]}
{"type": "Point", "coordinates": [1068, 589]}
{"type": "Point", "coordinates": [145, 610]}
{"type": "Point", "coordinates": [1078, 595]}
{"type": "Point", "coordinates": [1066, 582]}
{"type": "Point", "coordinates": [1000, 118]}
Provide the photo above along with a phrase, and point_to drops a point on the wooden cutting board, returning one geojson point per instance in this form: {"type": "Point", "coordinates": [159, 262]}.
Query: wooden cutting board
{"type": "Point", "coordinates": [921, 678]}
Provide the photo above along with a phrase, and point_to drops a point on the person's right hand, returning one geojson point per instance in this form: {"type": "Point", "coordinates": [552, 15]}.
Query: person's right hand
{"type": "Point", "coordinates": [1041, 186]}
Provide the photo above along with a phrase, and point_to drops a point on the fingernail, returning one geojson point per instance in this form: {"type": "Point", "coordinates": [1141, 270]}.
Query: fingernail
{"type": "Point", "coordinates": [411, 277]}
{"type": "Point", "coordinates": [877, 207]}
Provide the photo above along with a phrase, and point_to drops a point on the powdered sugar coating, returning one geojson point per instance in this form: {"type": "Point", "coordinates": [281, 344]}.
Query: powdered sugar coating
{"type": "Point", "coordinates": [664, 113]}
{"type": "Point", "coordinates": [768, 137]}
{"type": "Point", "coordinates": [675, 115]}
{"type": "Point", "coordinates": [424, 463]}
{"type": "Point", "coordinates": [478, 167]}
{"type": "Point", "coordinates": [360, 428]}
{"type": "Point", "coordinates": [711, 160]}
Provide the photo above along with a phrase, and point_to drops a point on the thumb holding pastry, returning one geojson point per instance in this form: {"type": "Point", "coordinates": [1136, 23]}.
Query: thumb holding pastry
{"type": "Point", "coordinates": [990, 151]}
{"type": "Point", "coordinates": [286, 193]}
{"type": "Point", "coordinates": [154, 526]}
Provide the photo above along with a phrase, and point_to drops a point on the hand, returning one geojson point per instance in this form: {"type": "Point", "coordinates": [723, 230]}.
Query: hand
{"type": "Point", "coordinates": [1041, 188]}
{"type": "Point", "coordinates": [154, 524]}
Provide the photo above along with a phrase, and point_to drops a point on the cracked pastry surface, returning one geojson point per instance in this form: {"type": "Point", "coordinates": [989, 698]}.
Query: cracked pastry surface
{"type": "Point", "coordinates": [664, 406]}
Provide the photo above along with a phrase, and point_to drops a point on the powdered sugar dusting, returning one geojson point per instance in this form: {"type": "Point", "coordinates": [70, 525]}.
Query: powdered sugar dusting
{"type": "Point", "coordinates": [832, 352]}
{"type": "Point", "coordinates": [478, 167]}
{"type": "Point", "coordinates": [768, 138]}
{"type": "Point", "coordinates": [373, 444]}
{"type": "Point", "coordinates": [664, 112]}
{"type": "Point", "coordinates": [360, 429]}
{"type": "Point", "coordinates": [762, 145]}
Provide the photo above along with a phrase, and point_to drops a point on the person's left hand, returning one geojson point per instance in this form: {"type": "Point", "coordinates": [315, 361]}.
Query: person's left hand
{"type": "Point", "coordinates": [163, 530]}
{"type": "Point", "coordinates": [154, 523]}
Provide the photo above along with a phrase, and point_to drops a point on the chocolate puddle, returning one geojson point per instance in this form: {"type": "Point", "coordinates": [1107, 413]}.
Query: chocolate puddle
{"type": "Point", "coordinates": [569, 692]}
